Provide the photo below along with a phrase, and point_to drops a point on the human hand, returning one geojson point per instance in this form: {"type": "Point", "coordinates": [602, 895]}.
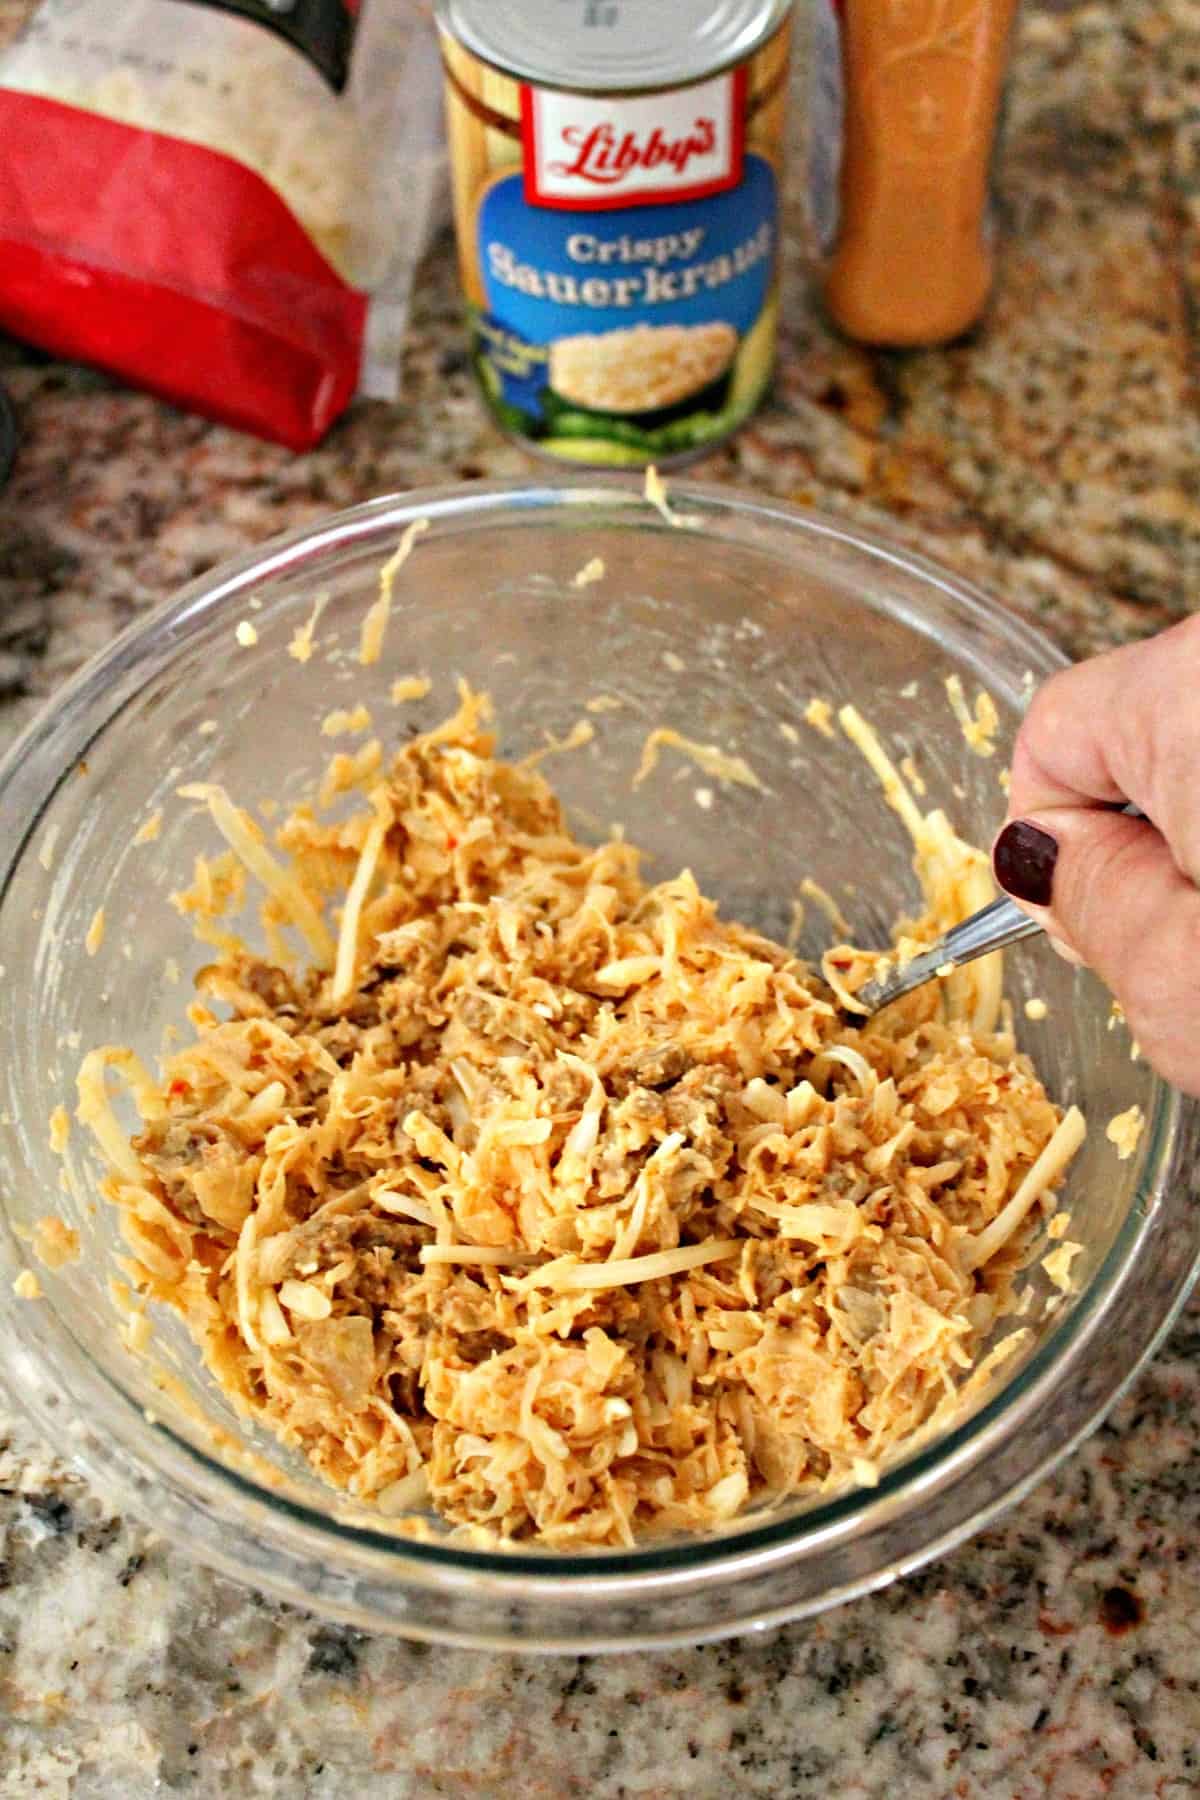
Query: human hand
{"type": "Point", "coordinates": [1118, 893]}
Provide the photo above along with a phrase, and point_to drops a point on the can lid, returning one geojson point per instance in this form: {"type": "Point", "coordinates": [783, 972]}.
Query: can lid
{"type": "Point", "coordinates": [607, 46]}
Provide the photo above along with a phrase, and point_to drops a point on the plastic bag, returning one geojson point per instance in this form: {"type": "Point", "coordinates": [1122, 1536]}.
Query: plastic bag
{"type": "Point", "coordinates": [222, 200]}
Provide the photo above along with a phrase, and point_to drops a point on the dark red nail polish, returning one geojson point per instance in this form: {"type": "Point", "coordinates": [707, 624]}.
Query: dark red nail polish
{"type": "Point", "coordinates": [1024, 859]}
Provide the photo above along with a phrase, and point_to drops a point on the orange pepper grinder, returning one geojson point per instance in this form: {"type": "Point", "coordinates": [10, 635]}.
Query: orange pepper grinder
{"type": "Point", "coordinates": [913, 263]}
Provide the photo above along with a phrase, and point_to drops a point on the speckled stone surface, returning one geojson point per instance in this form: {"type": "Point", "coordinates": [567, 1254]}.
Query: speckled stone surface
{"type": "Point", "coordinates": [1054, 459]}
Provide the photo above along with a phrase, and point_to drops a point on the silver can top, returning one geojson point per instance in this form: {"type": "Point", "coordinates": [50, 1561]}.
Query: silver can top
{"type": "Point", "coordinates": [610, 46]}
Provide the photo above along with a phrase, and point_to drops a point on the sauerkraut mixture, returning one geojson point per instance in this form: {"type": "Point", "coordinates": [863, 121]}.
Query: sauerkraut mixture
{"type": "Point", "coordinates": [506, 1184]}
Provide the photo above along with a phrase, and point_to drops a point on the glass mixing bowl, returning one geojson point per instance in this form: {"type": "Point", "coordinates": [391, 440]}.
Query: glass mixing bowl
{"type": "Point", "coordinates": [723, 630]}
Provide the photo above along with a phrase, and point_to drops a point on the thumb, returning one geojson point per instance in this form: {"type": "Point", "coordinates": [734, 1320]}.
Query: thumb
{"type": "Point", "coordinates": [1107, 885]}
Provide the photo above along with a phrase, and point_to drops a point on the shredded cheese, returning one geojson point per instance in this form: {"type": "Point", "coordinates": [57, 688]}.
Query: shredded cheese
{"type": "Point", "coordinates": [95, 932]}
{"type": "Point", "coordinates": [581, 733]}
{"type": "Point", "coordinates": [979, 728]}
{"type": "Point", "coordinates": [345, 720]}
{"type": "Point", "coordinates": [137, 1333]}
{"type": "Point", "coordinates": [1049, 1166]}
{"type": "Point", "coordinates": [305, 1299]}
{"type": "Point", "coordinates": [246, 634]}
{"type": "Point", "coordinates": [95, 1108]}
{"type": "Point", "coordinates": [60, 1130]}
{"type": "Point", "coordinates": [477, 1255]}
{"type": "Point", "coordinates": [243, 838]}
{"type": "Point", "coordinates": [1124, 1131]}
{"type": "Point", "coordinates": [894, 790]}
{"type": "Point", "coordinates": [956, 878]}
{"type": "Point", "coordinates": [375, 624]}
{"type": "Point", "coordinates": [813, 890]}
{"type": "Point", "coordinates": [730, 770]}
{"type": "Point", "coordinates": [819, 714]}
{"type": "Point", "coordinates": [573, 1277]}
{"type": "Point", "coordinates": [343, 974]}
{"type": "Point", "coordinates": [55, 1243]}
{"type": "Point", "coordinates": [1058, 1264]}
{"type": "Point", "coordinates": [655, 493]}
{"type": "Point", "coordinates": [591, 572]}
{"type": "Point", "coordinates": [912, 775]}
{"type": "Point", "coordinates": [302, 641]}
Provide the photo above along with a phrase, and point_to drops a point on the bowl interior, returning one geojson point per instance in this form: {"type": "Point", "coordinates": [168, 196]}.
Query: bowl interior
{"type": "Point", "coordinates": [723, 631]}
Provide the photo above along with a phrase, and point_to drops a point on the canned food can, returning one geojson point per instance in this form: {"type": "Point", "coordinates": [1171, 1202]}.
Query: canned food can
{"type": "Point", "coordinates": [616, 171]}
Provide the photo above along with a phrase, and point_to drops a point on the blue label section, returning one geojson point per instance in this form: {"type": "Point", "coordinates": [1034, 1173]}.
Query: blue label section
{"type": "Point", "coordinates": [520, 365]}
{"type": "Point", "coordinates": [550, 274]}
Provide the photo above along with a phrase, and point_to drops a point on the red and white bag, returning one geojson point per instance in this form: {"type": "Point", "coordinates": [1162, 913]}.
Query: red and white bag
{"type": "Point", "coordinates": [221, 200]}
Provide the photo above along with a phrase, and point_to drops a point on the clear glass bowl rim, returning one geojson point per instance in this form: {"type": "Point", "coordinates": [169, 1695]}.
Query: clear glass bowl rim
{"type": "Point", "coordinates": [281, 1542]}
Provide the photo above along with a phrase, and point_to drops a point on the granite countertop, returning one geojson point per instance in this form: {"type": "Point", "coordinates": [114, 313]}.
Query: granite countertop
{"type": "Point", "coordinates": [1054, 459]}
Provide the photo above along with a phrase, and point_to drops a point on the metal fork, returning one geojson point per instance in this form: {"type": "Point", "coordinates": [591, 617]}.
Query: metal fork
{"type": "Point", "coordinates": [994, 927]}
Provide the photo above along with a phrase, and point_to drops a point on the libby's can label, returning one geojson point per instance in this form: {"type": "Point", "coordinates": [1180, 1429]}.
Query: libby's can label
{"type": "Point", "coordinates": [619, 251]}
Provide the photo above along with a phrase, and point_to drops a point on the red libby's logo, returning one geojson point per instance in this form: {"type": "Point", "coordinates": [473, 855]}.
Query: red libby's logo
{"type": "Point", "coordinates": [603, 156]}
{"type": "Point", "coordinates": [591, 151]}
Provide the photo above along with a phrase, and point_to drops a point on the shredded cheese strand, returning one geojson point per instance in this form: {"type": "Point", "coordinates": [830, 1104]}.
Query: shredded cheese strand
{"type": "Point", "coordinates": [829, 906]}
{"type": "Point", "coordinates": [731, 771]}
{"type": "Point", "coordinates": [655, 492]}
{"type": "Point", "coordinates": [581, 1276]}
{"type": "Point", "coordinates": [977, 988]}
{"type": "Point", "coordinates": [236, 829]}
{"type": "Point", "coordinates": [301, 644]}
{"type": "Point", "coordinates": [243, 1275]}
{"type": "Point", "coordinates": [95, 1108]}
{"type": "Point", "coordinates": [895, 791]}
{"type": "Point", "coordinates": [1071, 1131]}
{"type": "Point", "coordinates": [364, 874]}
{"type": "Point", "coordinates": [374, 625]}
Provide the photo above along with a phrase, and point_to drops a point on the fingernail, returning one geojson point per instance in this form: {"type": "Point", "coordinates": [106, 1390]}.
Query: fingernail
{"type": "Point", "coordinates": [1024, 859]}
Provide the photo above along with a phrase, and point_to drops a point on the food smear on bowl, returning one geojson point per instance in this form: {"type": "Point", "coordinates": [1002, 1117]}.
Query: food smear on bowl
{"type": "Point", "coordinates": [505, 1185]}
